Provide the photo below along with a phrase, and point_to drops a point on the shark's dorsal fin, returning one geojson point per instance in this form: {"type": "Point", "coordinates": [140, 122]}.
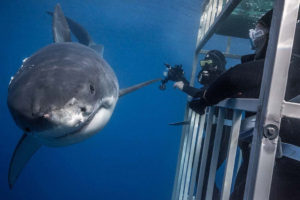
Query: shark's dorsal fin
{"type": "Point", "coordinates": [26, 147]}
{"type": "Point", "coordinates": [137, 86]}
{"type": "Point", "coordinates": [82, 35]}
{"type": "Point", "coordinates": [60, 28]}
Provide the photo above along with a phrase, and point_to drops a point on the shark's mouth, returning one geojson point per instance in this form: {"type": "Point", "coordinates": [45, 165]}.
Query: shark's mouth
{"type": "Point", "coordinates": [69, 119]}
{"type": "Point", "coordinates": [76, 130]}
{"type": "Point", "coordinates": [81, 127]}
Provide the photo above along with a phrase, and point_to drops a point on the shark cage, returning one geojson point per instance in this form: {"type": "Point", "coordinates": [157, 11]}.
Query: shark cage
{"type": "Point", "coordinates": [201, 139]}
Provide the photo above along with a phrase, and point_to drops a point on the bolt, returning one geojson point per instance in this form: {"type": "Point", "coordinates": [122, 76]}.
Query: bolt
{"type": "Point", "coordinates": [271, 131]}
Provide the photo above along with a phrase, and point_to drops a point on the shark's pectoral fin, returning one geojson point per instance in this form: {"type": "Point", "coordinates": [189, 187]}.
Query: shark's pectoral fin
{"type": "Point", "coordinates": [180, 123]}
{"type": "Point", "coordinates": [60, 28]}
{"type": "Point", "coordinates": [137, 86]}
{"type": "Point", "coordinates": [26, 147]}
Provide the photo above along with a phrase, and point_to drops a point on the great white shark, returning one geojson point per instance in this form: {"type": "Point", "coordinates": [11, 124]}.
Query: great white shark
{"type": "Point", "coordinates": [62, 94]}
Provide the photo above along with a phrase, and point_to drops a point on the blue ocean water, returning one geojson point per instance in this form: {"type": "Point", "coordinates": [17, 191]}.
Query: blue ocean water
{"type": "Point", "coordinates": [134, 157]}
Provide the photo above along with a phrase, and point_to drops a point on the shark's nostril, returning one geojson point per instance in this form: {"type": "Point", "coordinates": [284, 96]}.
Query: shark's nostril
{"type": "Point", "coordinates": [83, 109]}
{"type": "Point", "coordinates": [92, 89]}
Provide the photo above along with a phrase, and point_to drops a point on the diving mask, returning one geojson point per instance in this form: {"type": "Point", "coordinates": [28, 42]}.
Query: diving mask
{"type": "Point", "coordinates": [256, 36]}
{"type": "Point", "coordinates": [205, 62]}
{"type": "Point", "coordinates": [256, 33]}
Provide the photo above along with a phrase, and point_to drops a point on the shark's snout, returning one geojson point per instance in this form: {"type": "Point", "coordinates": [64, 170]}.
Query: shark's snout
{"type": "Point", "coordinates": [51, 122]}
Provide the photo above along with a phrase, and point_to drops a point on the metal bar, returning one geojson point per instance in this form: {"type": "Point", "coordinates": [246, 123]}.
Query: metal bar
{"type": "Point", "coordinates": [215, 155]}
{"type": "Point", "coordinates": [227, 122]}
{"type": "Point", "coordinates": [204, 153]}
{"type": "Point", "coordinates": [220, 6]}
{"type": "Point", "coordinates": [182, 159]}
{"type": "Point", "coordinates": [190, 159]}
{"type": "Point", "coordinates": [209, 16]}
{"type": "Point", "coordinates": [290, 109]}
{"type": "Point", "coordinates": [197, 157]}
{"type": "Point", "coordinates": [230, 163]}
{"type": "Point", "coordinates": [226, 11]}
{"type": "Point", "coordinates": [290, 151]}
{"type": "Point", "coordinates": [205, 19]}
{"type": "Point", "coordinates": [240, 159]}
{"type": "Point", "coordinates": [201, 27]}
{"type": "Point", "coordinates": [188, 113]}
{"type": "Point", "coordinates": [200, 30]}
{"type": "Point", "coordinates": [193, 75]}
{"type": "Point", "coordinates": [186, 155]}
{"type": "Point", "coordinates": [214, 12]}
{"type": "Point", "coordinates": [227, 55]}
{"type": "Point", "coordinates": [277, 62]}
{"type": "Point", "coordinates": [228, 45]}
{"type": "Point", "coordinates": [250, 105]}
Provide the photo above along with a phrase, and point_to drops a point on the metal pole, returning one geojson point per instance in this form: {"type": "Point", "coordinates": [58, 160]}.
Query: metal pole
{"type": "Point", "coordinates": [204, 153]}
{"type": "Point", "coordinates": [188, 113]}
{"type": "Point", "coordinates": [186, 155]}
{"type": "Point", "coordinates": [263, 149]}
{"type": "Point", "coordinates": [197, 157]}
{"type": "Point", "coordinates": [228, 45]}
{"type": "Point", "coordinates": [190, 158]}
{"type": "Point", "coordinates": [231, 152]}
{"type": "Point", "coordinates": [215, 155]}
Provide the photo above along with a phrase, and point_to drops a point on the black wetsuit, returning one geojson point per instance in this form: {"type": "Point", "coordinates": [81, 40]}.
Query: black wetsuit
{"type": "Point", "coordinates": [194, 92]}
{"type": "Point", "coordinates": [244, 81]}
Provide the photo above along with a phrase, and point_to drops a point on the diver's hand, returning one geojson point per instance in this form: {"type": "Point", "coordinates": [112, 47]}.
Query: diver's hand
{"type": "Point", "coordinates": [176, 73]}
{"type": "Point", "coordinates": [198, 105]}
{"type": "Point", "coordinates": [179, 85]}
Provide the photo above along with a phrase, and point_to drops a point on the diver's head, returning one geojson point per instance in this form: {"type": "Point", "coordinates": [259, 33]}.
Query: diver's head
{"type": "Point", "coordinates": [212, 66]}
{"type": "Point", "coordinates": [260, 34]}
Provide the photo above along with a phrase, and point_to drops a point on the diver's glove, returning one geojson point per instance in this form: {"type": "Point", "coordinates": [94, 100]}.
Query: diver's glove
{"type": "Point", "coordinates": [179, 85]}
{"type": "Point", "coordinates": [198, 105]}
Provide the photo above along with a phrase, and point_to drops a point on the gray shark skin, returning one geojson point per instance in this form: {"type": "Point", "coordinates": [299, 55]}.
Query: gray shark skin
{"type": "Point", "coordinates": [59, 89]}
{"type": "Point", "coordinates": [62, 94]}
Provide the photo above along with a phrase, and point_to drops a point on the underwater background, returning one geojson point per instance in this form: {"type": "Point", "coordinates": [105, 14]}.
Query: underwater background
{"type": "Point", "coordinates": [134, 157]}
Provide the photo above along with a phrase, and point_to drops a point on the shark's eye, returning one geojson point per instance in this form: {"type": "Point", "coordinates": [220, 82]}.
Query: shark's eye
{"type": "Point", "coordinates": [92, 89]}
{"type": "Point", "coordinates": [27, 129]}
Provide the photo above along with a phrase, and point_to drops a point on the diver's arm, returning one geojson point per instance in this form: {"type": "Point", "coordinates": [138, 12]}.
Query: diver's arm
{"type": "Point", "coordinates": [194, 92]}
{"type": "Point", "coordinates": [247, 58]}
{"type": "Point", "coordinates": [242, 80]}
{"type": "Point", "coordinates": [186, 88]}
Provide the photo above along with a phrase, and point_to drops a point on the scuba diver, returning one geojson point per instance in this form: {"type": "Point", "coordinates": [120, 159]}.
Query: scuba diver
{"type": "Point", "coordinates": [213, 65]}
{"type": "Point", "coordinates": [244, 81]}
